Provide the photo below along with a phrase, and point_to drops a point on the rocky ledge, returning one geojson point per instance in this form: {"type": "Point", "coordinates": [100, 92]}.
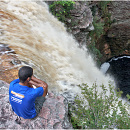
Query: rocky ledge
{"type": "Point", "coordinates": [53, 115]}
{"type": "Point", "coordinates": [9, 63]}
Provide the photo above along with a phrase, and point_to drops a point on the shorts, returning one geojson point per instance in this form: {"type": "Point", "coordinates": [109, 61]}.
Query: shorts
{"type": "Point", "coordinates": [38, 104]}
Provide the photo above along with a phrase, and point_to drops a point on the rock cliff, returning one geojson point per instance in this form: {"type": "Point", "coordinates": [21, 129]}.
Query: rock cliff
{"type": "Point", "coordinates": [119, 32]}
{"type": "Point", "coordinates": [115, 40]}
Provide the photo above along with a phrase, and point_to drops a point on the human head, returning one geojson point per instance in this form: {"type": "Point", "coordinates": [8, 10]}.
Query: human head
{"type": "Point", "coordinates": [24, 73]}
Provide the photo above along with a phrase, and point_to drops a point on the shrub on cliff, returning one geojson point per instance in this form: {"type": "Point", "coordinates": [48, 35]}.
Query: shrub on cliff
{"type": "Point", "coordinates": [101, 111]}
{"type": "Point", "coordinates": [61, 9]}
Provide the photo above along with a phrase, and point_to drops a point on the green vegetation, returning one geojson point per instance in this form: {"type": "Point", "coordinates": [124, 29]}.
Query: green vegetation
{"type": "Point", "coordinates": [95, 35]}
{"type": "Point", "coordinates": [61, 9]}
{"type": "Point", "coordinates": [101, 25]}
{"type": "Point", "coordinates": [101, 112]}
{"type": "Point", "coordinates": [95, 52]}
{"type": "Point", "coordinates": [98, 29]}
{"type": "Point", "coordinates": [103, 6]}
{"type": "Point", "coordinates": [105, 14]}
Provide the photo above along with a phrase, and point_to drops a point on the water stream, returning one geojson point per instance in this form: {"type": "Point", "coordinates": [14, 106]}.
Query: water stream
{"type": "Point", "coordinates": [41, 40]}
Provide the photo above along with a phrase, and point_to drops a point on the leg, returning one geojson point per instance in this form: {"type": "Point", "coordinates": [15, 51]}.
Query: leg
{"type": "Point", "coordinates": [39, 103]}
{"type": "Point", "coordinates": [45, 91]}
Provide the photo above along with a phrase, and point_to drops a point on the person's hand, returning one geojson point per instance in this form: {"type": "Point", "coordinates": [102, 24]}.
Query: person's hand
{"type": "Point", "coordinates": [33, 77]}
{"type": "Point", "coordinates": [42, 85]}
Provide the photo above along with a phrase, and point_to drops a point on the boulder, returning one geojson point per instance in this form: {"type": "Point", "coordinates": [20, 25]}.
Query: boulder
{"type": "Point", "coordinates": [53, 115]}
{"type": "Point", "coordinates": [81, 21]}
{"type": "Point", "coordinates": [119, 32]}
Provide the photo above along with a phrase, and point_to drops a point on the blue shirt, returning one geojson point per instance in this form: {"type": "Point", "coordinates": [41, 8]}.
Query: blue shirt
{"type": "Point", "coordinates": [22, 99]}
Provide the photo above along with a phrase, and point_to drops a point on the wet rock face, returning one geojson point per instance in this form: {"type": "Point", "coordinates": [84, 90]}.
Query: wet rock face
{"type": "Point", "coordinates": [119, 32]}
{"type": "Point", "coordinates": [53, 115]}
{"type": "Point", "coordinates": [4, 48]}
{"type": "Point", "coordinates": [120, 11]}
{"type": "Point", "coordinates": [9, 64]}
{"type": "Point", "coordinates": [82, 15]}
{"type": "Point", "coordinates": [118, 35]}
{"type": "Point", "coordinates": [81, 21]}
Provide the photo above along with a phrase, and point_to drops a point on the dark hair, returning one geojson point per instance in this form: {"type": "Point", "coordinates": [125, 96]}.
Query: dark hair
{"type": "Point", "coordinates": [24, 73]}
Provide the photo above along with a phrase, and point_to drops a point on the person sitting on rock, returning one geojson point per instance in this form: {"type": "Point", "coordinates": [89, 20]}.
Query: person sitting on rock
{"type": "Point", "coordinates": [25, 100]}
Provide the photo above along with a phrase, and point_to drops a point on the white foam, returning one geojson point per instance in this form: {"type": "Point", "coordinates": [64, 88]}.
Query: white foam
{"type": "Point", "coordinates": [104, 67]}
{"type": "Point", "coordinates": [41, 40]}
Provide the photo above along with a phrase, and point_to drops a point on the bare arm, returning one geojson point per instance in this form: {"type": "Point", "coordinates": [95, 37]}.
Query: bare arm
{"type": "Point", "coordinates": [39, 83]}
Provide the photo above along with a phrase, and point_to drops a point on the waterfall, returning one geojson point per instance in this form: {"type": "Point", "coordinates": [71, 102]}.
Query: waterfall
{"type": "Point", "coordinates": [41, 40]}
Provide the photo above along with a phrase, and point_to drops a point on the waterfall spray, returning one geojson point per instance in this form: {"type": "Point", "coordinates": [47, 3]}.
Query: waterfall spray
{"type": "Point", "coordinates": [40, 39]}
